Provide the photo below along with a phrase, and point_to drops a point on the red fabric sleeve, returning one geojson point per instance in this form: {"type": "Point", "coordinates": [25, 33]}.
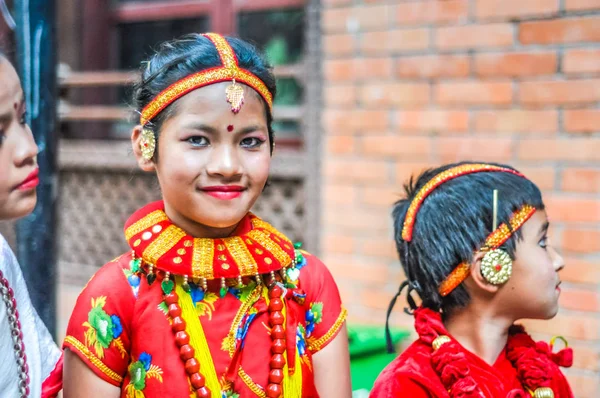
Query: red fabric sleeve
{"type": "Point", "coordinates": [98, 331]}
{"type": "Point", "coordinates": [325, 314]}
{"type": "Point", "coordinates": [53, 383]}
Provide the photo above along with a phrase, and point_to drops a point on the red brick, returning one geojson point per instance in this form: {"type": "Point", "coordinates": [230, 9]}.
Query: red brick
{"type": "Point", "coordinates": [379, 247]}
{"type": "Point", "coordinates": [401, 147]}
{"type": "Point", "coordinates": [395, 41]}
{"type": "Point", "coordinates": [581, 240]}
{"type": "Point", "coordinates": [338, 45]}
{"type": "Point", "coordinates": [340, 95]}
{"type": "Point", "coordinates": [406, 170]}
{"type": "Point", "coordinates": [428, 66]}
{"type": "Point", "coordinates": [474, 93]}
{"type": "Point", "coordinates": [580, 327]}
{"type": "Point", "coordinates": [580, 5]}
{"type": "Point", "coordinates": [579, 270]}
{"type": "Point", "coordinates": [339, 244]}
{"type": "Point", "coordinates": [358, 171]}
{"type": "Point", "coordinates": [455, 149]}
{"type": "Point", "coordinates": [339, 194]}
{"type": "Point", "coordinates": [361, 220]}
{"type": "Point", "coordinates": [572, 209]}
{"type": "Point", "coordinates": [363, 18]}
{"type": "Point", "coordinates": [427, 121]}
{"type": "Point", "coordinates": [474, 36]}
{"type": "Point", "coordinates": [581, 61]}
{"type": "Point", "coordinates": [560, 31]}
{"type": "Point", "coordinates": [550, 92]}
{"type": "Point", "coordinates": [543, 177]}
{"type": "Point", "coordinates": [584, 385]}
{"type": "Point", "coordinates": [557, 150]}
{"type": "Point", "coordinates": [357, 69]}
{"type": "Point", "coordinates": [582, 120]}
{"type": "Point", "coordinates": [581, 180]}
{"type": "Point", "coordinates": [579, 300]}
{"type": "Point", "coordinates": [432, 11]}
{"type": "Point", "coordinates": [510, 9]}
{"type": "Point", "coordinates": [340, 144]}
{"type": "Point", "coordinates": [383, 196]}
{"type": "Point", "coordinates": [395, 94]}
{"type": "Point", "coordinates": [327, 3]}
{"type": "Point", "coordinates": [516, 64]}
{"type": "Point", "coordinates": [516, 121]}
{"type": "Point", "coordinates": [338, 122]}
{"type": "Point", "coordinates": [584, 356]}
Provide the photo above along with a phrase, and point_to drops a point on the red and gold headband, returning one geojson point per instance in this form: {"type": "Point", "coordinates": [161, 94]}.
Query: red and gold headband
{"type": "Point", "coordinates": [496, 239]}
{"type": "Point", "coordinates": [445, 176]}
{"type": "Point", "coordinates": [229, 71]}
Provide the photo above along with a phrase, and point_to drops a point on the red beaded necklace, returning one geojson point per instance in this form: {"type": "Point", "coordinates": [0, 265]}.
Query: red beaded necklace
{"type": "Point", "coordinates": [161, 250]}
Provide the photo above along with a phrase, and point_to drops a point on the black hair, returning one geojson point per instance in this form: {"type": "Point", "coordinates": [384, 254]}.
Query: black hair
{"type": "Point", "coordinates": [176, 59]}
{"type": "Point", "coordinates": [452, 223]}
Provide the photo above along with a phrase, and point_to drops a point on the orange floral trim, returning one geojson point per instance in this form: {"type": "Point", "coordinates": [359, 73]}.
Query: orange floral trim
{"type": "Point", "coordinates": [228, 72]}
{"type": "Point", "coordinates": [445, 176]}
{"type": "Point", "coordinates": [496, 239]}
{"type": "Point", "coordinates": [315, 345]}
{"type": "Point", "coordinates": [72, 342]}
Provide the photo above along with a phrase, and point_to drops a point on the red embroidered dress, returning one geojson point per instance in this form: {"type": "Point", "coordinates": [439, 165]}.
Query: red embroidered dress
{"type": "Point", "coordinates": [122, 327]}
{"type": "Point", "coordinates": [452, 371]}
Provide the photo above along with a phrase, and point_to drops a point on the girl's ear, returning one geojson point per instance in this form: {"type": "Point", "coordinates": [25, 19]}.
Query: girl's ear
{"type": "Point", "coordinates": [477, 276]}
{"type": "Point", "coordinates": [136, 140]}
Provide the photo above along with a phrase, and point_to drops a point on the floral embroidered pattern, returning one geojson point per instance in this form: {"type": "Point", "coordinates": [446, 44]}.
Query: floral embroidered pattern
{"type": "Point", "coordinates": [314, 316]}
{"type": "Point", "coordinates": [204, 301]}
{"type": "Point", "coordinates": [301, 346]}
{"type": "Point", "coordinates": [139, 372]}
{"type": "Point", "coordinates": [229, 394]}
{"type": "Point", "coordinates": [132, 275]}
{"type": "Point", "coordinates": [103, 330]}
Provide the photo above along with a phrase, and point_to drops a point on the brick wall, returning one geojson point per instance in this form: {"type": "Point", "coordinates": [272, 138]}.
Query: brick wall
{"type": "Point", "coordinates": [410, 84]}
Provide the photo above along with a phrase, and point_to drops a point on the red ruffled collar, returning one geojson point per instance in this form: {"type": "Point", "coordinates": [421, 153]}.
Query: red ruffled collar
{"type": "Point", "coordinates": [255, 248]}
{"type": "Point", "coordinates": [533, 361]}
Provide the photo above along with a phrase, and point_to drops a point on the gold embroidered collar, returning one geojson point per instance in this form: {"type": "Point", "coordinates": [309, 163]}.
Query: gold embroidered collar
{"type": "Point", "coordinates": [259, 249]}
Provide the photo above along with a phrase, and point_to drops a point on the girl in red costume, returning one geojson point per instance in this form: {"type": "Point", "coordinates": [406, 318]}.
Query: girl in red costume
{"type": "Point", "coordinates": [210, 301]}
{"type": "Point", "coordinates": [473, 243]}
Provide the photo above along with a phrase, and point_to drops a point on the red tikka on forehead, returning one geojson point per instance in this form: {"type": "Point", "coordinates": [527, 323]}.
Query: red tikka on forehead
{"type": "Point", "coordinates": [441, 178]}
{"type": "Point", "coordinates": [229, 71]}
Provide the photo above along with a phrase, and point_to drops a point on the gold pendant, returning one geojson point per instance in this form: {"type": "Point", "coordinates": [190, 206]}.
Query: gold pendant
{"type": "Point", "coordinates": [147, 144]}
{"type": "Point", "coordinates": [235, 96]}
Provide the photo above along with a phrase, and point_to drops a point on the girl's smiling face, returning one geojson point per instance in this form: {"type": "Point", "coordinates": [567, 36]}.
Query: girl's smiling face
{"type": "Point", "coordinates": [211, 164]}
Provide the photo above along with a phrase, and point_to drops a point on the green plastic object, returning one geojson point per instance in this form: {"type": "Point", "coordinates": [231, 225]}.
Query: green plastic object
{"type": "Point", "coordinates": [368, 354]}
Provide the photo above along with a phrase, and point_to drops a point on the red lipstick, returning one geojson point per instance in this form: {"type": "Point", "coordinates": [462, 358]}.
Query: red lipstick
{"type": "Point", "coordinates": [224, 192]}
{"type": "Point", "coordinates": [31, 181]}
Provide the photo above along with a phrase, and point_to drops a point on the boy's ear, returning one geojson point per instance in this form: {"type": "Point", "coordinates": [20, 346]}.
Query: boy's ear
{"type": "Point", "coordinates": [478, 278]}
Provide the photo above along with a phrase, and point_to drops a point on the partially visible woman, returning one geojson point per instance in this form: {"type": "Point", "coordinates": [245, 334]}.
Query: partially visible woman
{"type": "Point", "coordinates": [31, 363]}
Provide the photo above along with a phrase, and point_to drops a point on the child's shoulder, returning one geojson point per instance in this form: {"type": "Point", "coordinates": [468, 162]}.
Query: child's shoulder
{"type": "Point", "coordinates": [112, 275]}
{"type": "Point", "coordinates": [409, 375]}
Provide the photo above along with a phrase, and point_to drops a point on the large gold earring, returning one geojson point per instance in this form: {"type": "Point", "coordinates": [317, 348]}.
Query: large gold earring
{"type": "Point", "coordinates": [496, 267]}
{"type": "Point", "coordinates": [147, 144]}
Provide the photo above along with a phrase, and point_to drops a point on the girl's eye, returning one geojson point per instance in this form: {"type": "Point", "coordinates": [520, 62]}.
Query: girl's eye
{"type": "Point", "coordinates": [544, 242]}
{"type": "Point", "coordinates": [252, 142]}
{"type": "Point", "coordinates": [198, 141]}
{"type": "Point", "coordinates": [23, 119]}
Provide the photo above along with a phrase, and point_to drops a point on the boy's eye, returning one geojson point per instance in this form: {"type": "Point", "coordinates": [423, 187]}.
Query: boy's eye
{"type": "Point", "coordinates": [544, 242]}
{"type": "Point", "coordinates": [23, 119]}
{"type": "Point", "coordinates": [198, 141]}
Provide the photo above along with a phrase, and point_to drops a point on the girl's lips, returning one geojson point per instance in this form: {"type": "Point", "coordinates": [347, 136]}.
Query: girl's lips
{"type": "Point", "coordinates": [31, 181]}
{"type": "Point", "coordinates": [224, 192]}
